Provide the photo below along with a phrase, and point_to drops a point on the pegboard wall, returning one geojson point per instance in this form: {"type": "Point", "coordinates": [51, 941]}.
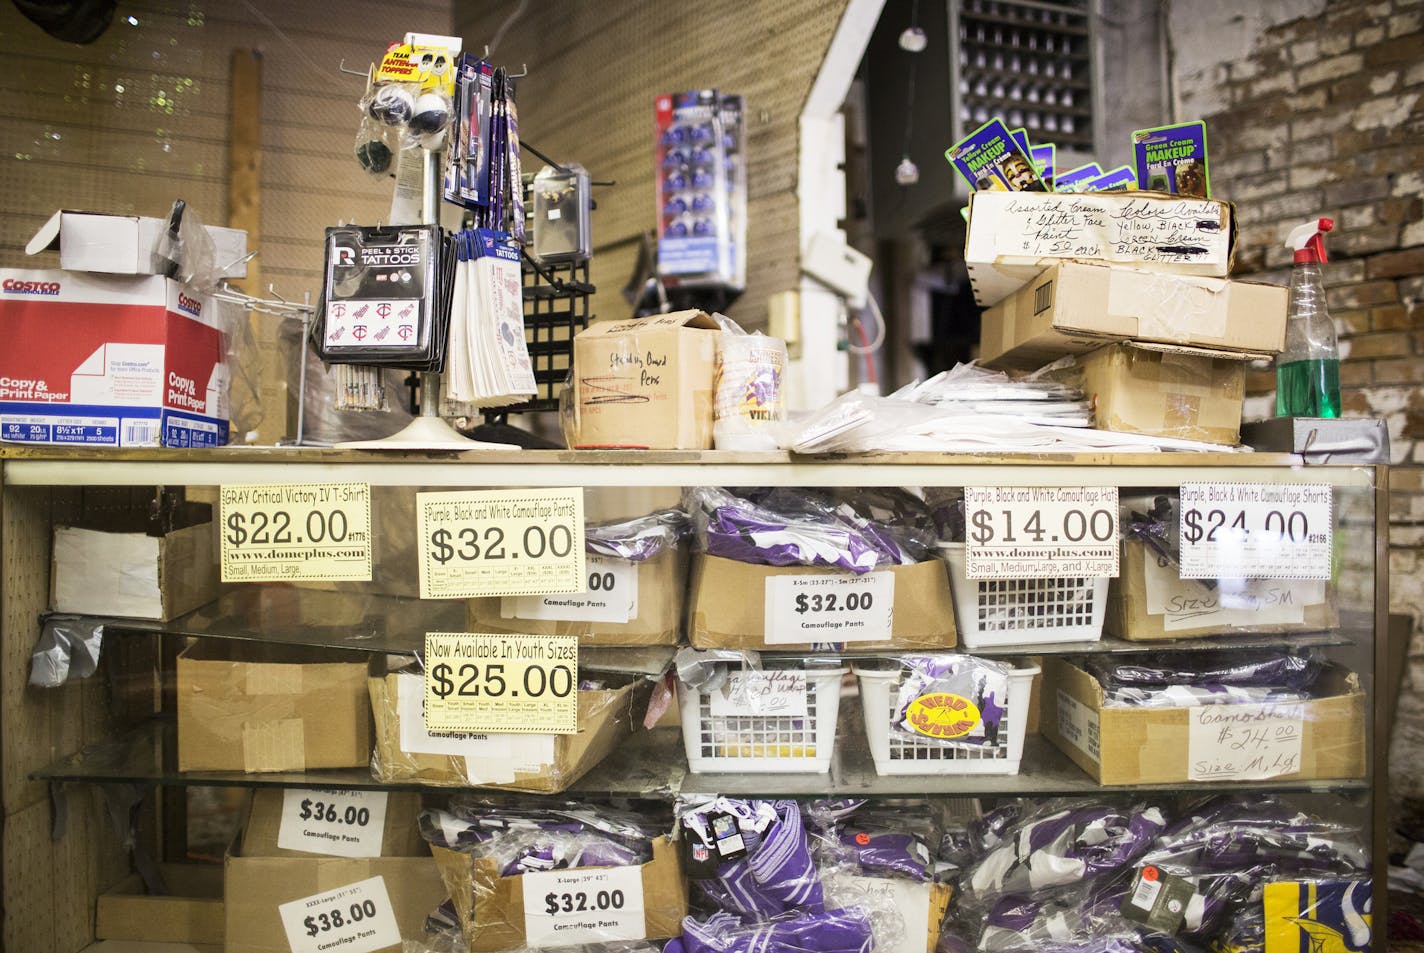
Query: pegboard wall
{"type": "Point", "coordinates": [594, 70]}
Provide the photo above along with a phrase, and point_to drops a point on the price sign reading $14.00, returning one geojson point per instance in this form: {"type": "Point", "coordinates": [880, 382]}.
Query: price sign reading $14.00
{"type": "Point", "coordinates": [500, 543]}
{"type": "Point", "coordinates": [501, 683]}
{"type": "Point", "coordinates": [356, 918]}
{"type": "Point", "coordinates": [1036, 532]}
{"type": "Point", "coordinates": [276, 531]}
{"type": "Point", "coordinates": [1256, 531]}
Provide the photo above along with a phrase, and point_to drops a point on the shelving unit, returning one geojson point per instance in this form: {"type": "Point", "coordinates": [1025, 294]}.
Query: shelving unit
{"type": "Point", "coordinates": [66, 740]}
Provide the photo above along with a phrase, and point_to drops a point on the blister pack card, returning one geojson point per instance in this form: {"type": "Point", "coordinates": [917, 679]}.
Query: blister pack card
{"type": "Point", "coordinates": [991, 159]}
{"type": "Point", "coordinates": [1045, 163]}
{"type": "Point", "coordinates": [1121, 179]}
{"type": "Point", "coordinates": [1173, 159]}
{"type": "Point", "coordinates": [1076, 180]}
{"type": "Point", "coordinates": [467, 164]}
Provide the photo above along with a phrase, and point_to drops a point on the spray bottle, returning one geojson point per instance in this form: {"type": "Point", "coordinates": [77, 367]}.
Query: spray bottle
{"type": "Point", "coordinates": [1308, 370]}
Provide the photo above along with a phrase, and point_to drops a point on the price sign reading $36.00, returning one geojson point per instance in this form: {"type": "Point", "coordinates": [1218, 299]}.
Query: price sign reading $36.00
{"type": "Point", "coordinates": [1036, 532]}
{"type": "Point", "coordinates": [336, 823]}
{"type": "Point", "coordinates": [275, 531]}
{"type": "Point", "coordinates": [1256, 531]}
{"type": "Point", "coordinates": [500, 543]}
{"type": "Point", "coordinates": [501, 683]}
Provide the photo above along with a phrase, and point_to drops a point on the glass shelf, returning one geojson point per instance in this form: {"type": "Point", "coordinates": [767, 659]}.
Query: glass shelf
{"type": "Point", "coordinates": [652, 764]}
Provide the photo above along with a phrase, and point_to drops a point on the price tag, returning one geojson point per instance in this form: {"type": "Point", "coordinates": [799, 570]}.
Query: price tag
{"type": "Point", "coordinates": [767, 692]}
{"type": "Point", "coordinates": [282, 531]}
{"type": "Point", "coordinates": [1256, 530]}
{"type": "Point", "coordinates": [611, 596]}
{"type": "Point", "coordinates": [589, 905]}
{"type": "Point", "coordinates": [335, 823]}
{"type": "Point", "coordinates": [829, 607]}
{"type": "Point", "coordinates": [1158, 900]}
{"type": "Point", "coordinates": [501, 683]}
{"type": "Point", "coordinates": [1244, 742]}
{"type": "Point", "coordinates": [500, 543]}
{"type": "Point", "coordinates": [356, 918]}
{"type": "Point", "coordinates": [1034, 532]}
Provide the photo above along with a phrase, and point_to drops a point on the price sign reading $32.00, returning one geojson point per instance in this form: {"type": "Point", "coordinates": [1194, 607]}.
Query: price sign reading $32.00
{"type": "Point", "coordinates": [1036, 532]}
{"type": "Point", "coordinates": [275, 531]}
{"type": "Point", "coordinates": [500, 543]}
{"type": "Point", "coordinates": [501, 683]}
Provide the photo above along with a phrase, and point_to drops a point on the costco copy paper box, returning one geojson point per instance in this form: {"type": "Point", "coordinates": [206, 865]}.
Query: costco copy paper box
{"type": "Point", "coordinates": [100, 360]}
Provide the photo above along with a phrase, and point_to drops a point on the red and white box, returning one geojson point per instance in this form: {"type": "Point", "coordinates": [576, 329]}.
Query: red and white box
{"type": "Point", "coordinates": [105, 360]}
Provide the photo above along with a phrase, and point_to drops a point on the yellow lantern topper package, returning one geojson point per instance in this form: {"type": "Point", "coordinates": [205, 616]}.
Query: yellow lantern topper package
{"type": "Point", "coordinates": [1329, 916]}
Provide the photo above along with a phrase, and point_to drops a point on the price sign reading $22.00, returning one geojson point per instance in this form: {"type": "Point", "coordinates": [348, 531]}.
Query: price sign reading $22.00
{"type": "Point", "coordinates": [276, 531]}
{"type": "Point", "coordinates": [501, 683]}
{"type": "Point", "coordinates": [1256, 531]}
{"type": "Point", "coordinates": [500, 543]}
{"type": "Point", "coordinates": [1036, 532]}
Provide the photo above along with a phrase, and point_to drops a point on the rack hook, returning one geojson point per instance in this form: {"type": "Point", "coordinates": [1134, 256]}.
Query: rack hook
{"type": "Point", "coordinates": [523, 71]}
{"type": "Point", "coordinates": [366, 74]}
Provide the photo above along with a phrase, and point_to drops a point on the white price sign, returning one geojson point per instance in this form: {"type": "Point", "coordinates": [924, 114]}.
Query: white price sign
{"type": "Point", "coordinates": [766, 692]}
{"type": "Point", "coordinates": [1256, 531]}
{"type": "Point", "coordinates": [611, 596]}
{"type": "Point", "coordinates": [1037, 532]}
{"type": "Point", "coordinates": [335, 823]}
{"type": "Point", "coordinates": [356, 918]}
{"type": "Point", "coordinates": [829, 607]}
{"type": "Point", "coordinates": [1244, 742]}
{"type": "Point", "coordinates": [589, 905]}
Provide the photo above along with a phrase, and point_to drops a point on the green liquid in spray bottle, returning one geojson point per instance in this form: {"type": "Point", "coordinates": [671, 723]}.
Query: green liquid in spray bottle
{"type": "Point", "coordinates": [1309, 388]}
{"type": "Point", "coordinates": [1308, 370]}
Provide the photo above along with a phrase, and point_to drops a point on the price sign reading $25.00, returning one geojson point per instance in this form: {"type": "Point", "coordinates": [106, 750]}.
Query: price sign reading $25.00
{"type": "Point", "coordinates": [1256, 531]}
{"type": "Point", "coordinates": [500, 543]}
{"type": "Point", "coordinates": [1037, 532]}
{"type": "Point", "coordinates": [501, 683]}
{"type": "Point", "coordinates": [275, 531]}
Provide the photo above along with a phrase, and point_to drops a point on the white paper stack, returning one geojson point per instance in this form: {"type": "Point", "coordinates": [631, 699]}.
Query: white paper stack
{"type": "Point", "coordinates": [488, 364]}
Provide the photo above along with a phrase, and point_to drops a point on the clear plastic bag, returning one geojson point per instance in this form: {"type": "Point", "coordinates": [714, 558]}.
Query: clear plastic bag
{"type": "Point", "coordinates": [68, 647]}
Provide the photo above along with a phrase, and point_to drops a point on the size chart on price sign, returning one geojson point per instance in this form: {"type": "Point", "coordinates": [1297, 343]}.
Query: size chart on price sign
{"type": "Point", "coordinates": [1037, 532]}
{"type": "Point", "coordinates": [286, 531]}
{"type": "Point", "coordinates": [501, 683]}
{"type": "Point", "coordinates": [500, 543]}
{"type": "Point", "coordinates": [1256, 531]}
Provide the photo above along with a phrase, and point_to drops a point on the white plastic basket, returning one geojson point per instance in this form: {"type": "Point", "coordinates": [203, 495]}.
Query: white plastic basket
{"type": "Point", "coordinates": [722, 733]}
{"type": "Point", "coordinates": [996, 612]}
{"type": "Point", "coordinates": [896, 753]}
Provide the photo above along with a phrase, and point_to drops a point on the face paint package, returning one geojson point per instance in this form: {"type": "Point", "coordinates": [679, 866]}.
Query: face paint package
{"type": "Point", "coordinates": [1173, 159]}
{"type": "Point", "coordinates": [1021, 138]}
{"type": "Point", "coordinates": [1074, 180]}
{"type": "Point", "coordinates": [990, 159]}
{"type": "Point", "coordinates": [1121, 179]}
{"type": "Point", "coordinates": [1045, 163]}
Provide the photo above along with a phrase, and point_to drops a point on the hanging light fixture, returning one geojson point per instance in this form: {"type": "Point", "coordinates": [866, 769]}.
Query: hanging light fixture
{"type": "Point", "coordinates": [913, 40]}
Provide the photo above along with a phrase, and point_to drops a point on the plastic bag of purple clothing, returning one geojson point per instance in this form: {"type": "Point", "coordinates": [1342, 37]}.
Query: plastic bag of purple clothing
{"type": "Point", "coordinates": [1293, 670]}
{"type": "Point", "coordinates": [528, 839]}
{"type": "Point", "coordinates": [640, 538]}
{"type": "Point", "coordinates": [983, 683]}
{"type": "Point", "coordinates": [778, 871]}
{"type": "Point", "coordinates": [846, 930]}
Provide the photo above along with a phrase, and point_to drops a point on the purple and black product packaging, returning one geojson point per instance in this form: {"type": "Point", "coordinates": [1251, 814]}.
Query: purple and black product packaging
{"type": "Point", "coordinates": [991, 159]}
{"type": "Point", "coordinates": [467, 163]}
{"type": "Point", "coordinates": [1045, 163]}
{"type": "Point", "coordinates": [1020, 135]}
{"type": "Point", "coordinates": [1076, 180]}
{"type": "Point", "coordinates": [700, 187]}
{"type": "Point", "coordinates": [1121, 179]}
{"type": "Point", "coordinates": [1173, 159]}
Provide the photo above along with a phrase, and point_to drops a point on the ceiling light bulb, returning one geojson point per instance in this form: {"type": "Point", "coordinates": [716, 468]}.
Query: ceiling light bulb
{"type": "Point", "coordinates": [914, 40]}
{"type": "Point", "coordinates": [907, 173]}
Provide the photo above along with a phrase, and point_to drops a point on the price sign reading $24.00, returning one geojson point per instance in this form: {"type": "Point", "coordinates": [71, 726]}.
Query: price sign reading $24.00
{"type": "Point", "coordinates": [500, 543]}
{"type": "Point", "coordinates": [501, 683]}
{"type": "Point", "coordinates": [276, 531]}
{"type": "Point", "coordinates": [1037, 532]}
{"type": "Point", "coordinates": [1256, 531]}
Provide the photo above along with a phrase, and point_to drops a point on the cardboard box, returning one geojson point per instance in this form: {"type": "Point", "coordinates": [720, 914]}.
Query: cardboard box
{"type": "Point", "coordinates": [1073, 308]}
{"type": "Point", "coordinates": [661, 590]}
{"type": "Point", "coordinates": [917, 903]}
{"type": "Point", "coordinates": [106, 571]}
{"type": "Point", "coordinates": [1166, 390]}
{"type": "Point", "coordinates": [106, 361]}
{"type": "Point", "coordinates": [257, 887]}
{"type": "Point", "coordinates": [124, 244]}
{"type": "Point", "coordinates": [645, 383]}
{"type": "Point", "coordinates": [254, 706]}
{"type": "Point", "coordinates": [191, 911]}
{"type": "Point", "coordinates": [728, 605]}
{"type": "Point", "coordinates": [1149, 601]}
{"type": "Point", "coordinates": [544, 764]}
{"type": "Point", "coordinates": [1014, 236]}
{"type": "Point", "coordinates": [493, 913]}
{"type": "Point", "coordinates": [1123, 745]}
{"type": "Point", "coordinates": [262, 835]}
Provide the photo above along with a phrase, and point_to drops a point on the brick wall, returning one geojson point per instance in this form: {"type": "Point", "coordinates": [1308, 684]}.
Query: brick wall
{"type": "Point", "coordinates": [1324, 115]}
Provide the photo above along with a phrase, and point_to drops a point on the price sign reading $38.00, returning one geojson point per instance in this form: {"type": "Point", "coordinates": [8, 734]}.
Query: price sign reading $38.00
{"type": "Point", "coordinates": [356, 918]}
{"type": "Point", "coordinates": [1036, 532]}
{"type": "Point", "coordinates": [275, 531]}
{"type": "Point", "coordinates": [500, 543]}
{"type": "Point", "coordinates": [1256, 531]}
{"type": "Point", "coordinates": [501, 683]}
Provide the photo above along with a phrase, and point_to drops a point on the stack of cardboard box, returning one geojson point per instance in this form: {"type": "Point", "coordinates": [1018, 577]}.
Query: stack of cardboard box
{"type": "Point", "coordinates": [1133, 286]}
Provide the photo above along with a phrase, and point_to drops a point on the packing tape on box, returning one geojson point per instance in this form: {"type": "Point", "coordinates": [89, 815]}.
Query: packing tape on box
{"type": "Point", "coordinates": [274, 745]}
{"type": "Point", "coordinates": [1170, 307]}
